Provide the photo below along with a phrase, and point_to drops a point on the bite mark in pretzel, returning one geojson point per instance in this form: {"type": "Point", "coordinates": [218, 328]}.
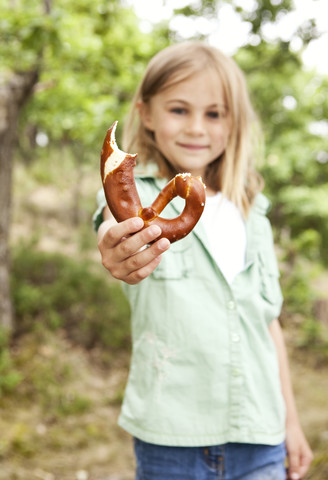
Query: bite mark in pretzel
{"type": "Point", "coordinates": [123, 198]}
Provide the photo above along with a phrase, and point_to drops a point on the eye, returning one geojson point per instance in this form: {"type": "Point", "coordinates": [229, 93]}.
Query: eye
{"type": "Point", "coordinates": [213, 114]}
{"type": "Point", "coordinates": [179, 110]}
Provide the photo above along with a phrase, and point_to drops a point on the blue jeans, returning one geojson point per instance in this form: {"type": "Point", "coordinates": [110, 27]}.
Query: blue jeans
{"type": "Point", "coordinates": [232, 461]}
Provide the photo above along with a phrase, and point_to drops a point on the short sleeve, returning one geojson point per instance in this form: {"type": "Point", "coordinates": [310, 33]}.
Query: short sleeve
{"type": "Point", "coordinates": [270, 288]}
{"type": "Point", "coordinates": [97, 218]}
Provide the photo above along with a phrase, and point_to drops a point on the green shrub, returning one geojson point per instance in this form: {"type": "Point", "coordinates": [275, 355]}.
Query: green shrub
{"type": "Point", "coordinates": [298, 292]}
{"type": "Point", "coordinates": [51, 290]}
{"type": "Point", "coordinates": [310, 333]}
{"type": "Point", "coordinates": [9, 376]}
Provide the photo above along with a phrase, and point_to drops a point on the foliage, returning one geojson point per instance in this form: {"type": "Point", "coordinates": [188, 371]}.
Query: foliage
{"type": "Point", "coordinates": [291, 104]}
{"type": "Point", "coordinates": [51, 291]}
{"type": "Point", "coordinates": [9, 375]}
{"type": "Point", "coordinates": [301, 298]}
{"type": "Point", "coordinates": [91, 56]}
{"type": "Point", "coordinates": [25, 29]}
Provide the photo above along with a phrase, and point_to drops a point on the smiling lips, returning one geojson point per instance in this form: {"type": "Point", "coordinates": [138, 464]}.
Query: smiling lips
{"type": "Point", "coordinates": [189, 146]}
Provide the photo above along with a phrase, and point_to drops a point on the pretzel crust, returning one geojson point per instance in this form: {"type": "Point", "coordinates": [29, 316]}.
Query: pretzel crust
{"type": "Point", "coordinates": [123, 200]}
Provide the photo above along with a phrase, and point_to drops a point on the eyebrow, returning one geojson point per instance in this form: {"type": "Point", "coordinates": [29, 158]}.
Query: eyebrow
{"type": "Point", "coordinates": [214, 105]}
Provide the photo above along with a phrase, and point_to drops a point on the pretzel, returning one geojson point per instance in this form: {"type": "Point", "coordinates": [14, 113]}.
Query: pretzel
{"type": "Point", "coordinates": [124, 202]}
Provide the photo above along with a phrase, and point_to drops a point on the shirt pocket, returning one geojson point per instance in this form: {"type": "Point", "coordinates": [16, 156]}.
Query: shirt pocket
{"type": "Point", "coordinates": [176, 263]}
{"type": "Point", "coordinates": [269, 277]}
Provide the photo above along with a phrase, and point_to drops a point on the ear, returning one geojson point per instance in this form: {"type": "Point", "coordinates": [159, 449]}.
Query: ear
{"type": "Point", "coordinates": [145, 115]}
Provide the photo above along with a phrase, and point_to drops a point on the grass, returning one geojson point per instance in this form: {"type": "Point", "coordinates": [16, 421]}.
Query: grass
{"type": "Point", "coordinates": [61, 418]}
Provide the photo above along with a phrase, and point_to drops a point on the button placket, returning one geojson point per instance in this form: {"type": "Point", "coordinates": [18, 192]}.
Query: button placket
{"type": "Point", "coordinates": [235, 365]}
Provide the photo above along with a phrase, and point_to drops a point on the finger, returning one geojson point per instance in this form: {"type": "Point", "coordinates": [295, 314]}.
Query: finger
{"type": "Point", "coordinates": [305, 464]}
{"type": "Point", "coordinates": [111, 234]}
{"type": "Point", "coordinates": [293, 466]}
{"type": "Point", "coordinates": [132, 245]}
{"type": "Point", "coordinates": [293, 476]}
{"type": "Point", "coordinates": [138, 266]}
{"type": "Point", "coordinates": [140, 274]}
{"type": "Point", "coordinates": [142, 259]}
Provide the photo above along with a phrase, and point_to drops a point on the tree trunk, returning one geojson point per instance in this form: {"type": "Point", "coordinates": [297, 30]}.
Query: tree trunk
{"type": "Point", "coordinates": [14, 92]}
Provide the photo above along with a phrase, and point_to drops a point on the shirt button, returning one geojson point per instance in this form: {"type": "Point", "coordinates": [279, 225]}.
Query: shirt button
{"type": "Point", "coordinates": [231, 305]}
{"type": "Point", "coordinates": [236, 372]}
{"type": "Point", "coordinates": [235, 337]}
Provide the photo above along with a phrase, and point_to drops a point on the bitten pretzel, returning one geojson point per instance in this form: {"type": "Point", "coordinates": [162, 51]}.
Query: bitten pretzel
{"type": "Point", "coordinates": [124, 202]}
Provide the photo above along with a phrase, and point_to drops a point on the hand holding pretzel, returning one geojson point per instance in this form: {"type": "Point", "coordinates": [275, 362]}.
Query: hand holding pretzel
{"type": "Point", "coordinates": [123, 248]}
{"type": "Point", "coordinates": [124, 202]}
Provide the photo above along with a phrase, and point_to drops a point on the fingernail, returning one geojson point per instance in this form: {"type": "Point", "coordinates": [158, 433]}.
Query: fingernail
{"type": "Point", "coordinates": [155, 230]}
{"type": "Point", "coordinates": [163, 243]}
{"type": "Point", "coordinates": [295, 476]}
{"type": "Point", "coordinates": [137, 222]}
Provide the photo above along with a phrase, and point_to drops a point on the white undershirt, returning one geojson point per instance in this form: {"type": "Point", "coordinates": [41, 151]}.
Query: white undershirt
{"type": "Point", "coordinates": [226, 232]}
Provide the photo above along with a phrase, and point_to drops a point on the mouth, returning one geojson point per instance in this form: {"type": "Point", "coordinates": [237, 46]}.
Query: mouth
{"type": "Point", "coordinates": [190, 146]}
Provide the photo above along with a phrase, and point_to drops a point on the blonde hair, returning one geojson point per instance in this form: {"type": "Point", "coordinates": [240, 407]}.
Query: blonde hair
{"type": "Point", "coordinates": [233, 173]}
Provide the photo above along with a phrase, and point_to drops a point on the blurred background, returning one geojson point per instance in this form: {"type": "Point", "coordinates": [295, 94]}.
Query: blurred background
{"type": "Point", "coordinates": [67, 71]}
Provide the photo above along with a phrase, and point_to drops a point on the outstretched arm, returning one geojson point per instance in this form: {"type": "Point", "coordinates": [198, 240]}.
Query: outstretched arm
{"type": "Point", "coordinates": [298, 451]}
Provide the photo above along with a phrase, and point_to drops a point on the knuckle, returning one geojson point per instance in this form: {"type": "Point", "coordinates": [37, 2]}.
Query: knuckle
{"type": "Point", "coordinates": [110, 237]}
{"type": "Point", "coordinates": [110, 269]}
{"type": "Point", "coordinates": [106, 263]}
{"type": "Point", "coordinates": [115, 273]}
{"type": "Point", "coordinates": [134, 262]}
{"type": "Point", "coordinates": [138, 277]}
{"type": "Point", "coordinates": [101, 246]}
{"type": "Point", "coordinates": [125, 248]}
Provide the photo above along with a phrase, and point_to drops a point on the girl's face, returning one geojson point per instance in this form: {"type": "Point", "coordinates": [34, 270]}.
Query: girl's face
{"type": "Point", "coordinates": [190, 122]}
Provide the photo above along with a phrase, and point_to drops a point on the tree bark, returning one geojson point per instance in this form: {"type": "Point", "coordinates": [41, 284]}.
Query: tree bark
{"type": "Point", "coordinates": [15, 90]}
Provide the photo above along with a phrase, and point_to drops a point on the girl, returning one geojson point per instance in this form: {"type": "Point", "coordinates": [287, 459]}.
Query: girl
{"type": "Point", "coordinates": [209, 394]}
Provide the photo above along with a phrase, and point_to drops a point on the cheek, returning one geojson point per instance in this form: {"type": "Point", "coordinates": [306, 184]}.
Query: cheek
{"type": "Point", "coordinates": [165, 133]}
{"type": "Point", "coordinates": [226, 138]}
{"type": "Point", "coordinates": [160, 136]}
{"type": "Point", "coordinates": [221, 138]}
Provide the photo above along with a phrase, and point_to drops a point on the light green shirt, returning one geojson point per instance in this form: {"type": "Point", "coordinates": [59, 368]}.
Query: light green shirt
{"type": "Point", "coordinates": [204, 369]}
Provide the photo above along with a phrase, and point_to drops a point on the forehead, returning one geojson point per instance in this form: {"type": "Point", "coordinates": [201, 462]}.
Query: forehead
{"type": "Point", "coordinates": [203, 88]}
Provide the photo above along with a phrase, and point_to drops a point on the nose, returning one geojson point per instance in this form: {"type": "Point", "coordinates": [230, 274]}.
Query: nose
{"type": "Point", "coordinates": [195, 125]}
